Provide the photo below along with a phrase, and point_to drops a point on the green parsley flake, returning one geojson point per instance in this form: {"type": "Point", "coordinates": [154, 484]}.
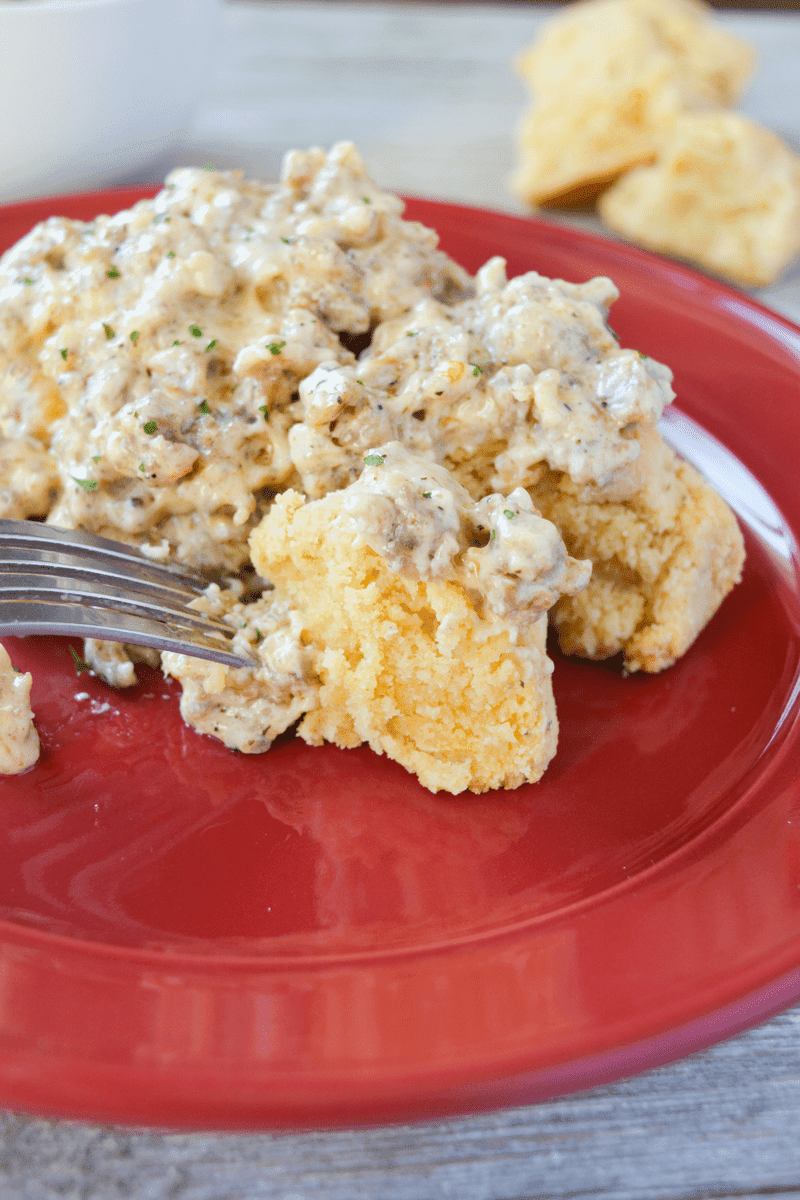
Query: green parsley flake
{"type": "Point", "coordinates": [374, 460]}
{"type": "Point", "coordinates": [508, 513]}
{"type": "Point", "coordinates": [88, 485]}
{"type": "Point", "coordinates": [96, 457]}
{"type": "Point", "coordinates": [642, 355]}
{"type": "Point", "coordinates": [366, 199]}
{"type": "Point", "coordinates": [109, 332]}
{"type": "Point", "coordinates": [275, 347]}
{"type": "Point", "coordinates": [134, 335]}
{"type": "Point", "coordinates": [113, 273]}
{"type": "Point", "coordinates": [171, 254]}
{"type": "Point", "coordinates": [413, 333]}
{"type": "Point", "coordinates": [492, 535]}
{"type": "Point", "coordinates": [177, 343]}
{"type": "Point", "coordinates": [262, 408]}
{"type": "Point", "coordinates": [28, 282]}
{"type": "Point", "coordinates": [195, 331]}
{"type": "Point", "coordinates": [80, 663]}
{"type": "Point", "coordinates": [64, 354]}
{"type": "Point", "coordinates": [475, 369]}
{"type": "Point", "coordinates": [427, 495]}
{"type": "Point", "coordinates": [141, 466]}
{"type": "Point", "coordinates": [361, 381]}
{"type": "Point", "coordinates": [150, 426]}
{"type": "Point", "coordinates": [259, 636]}
{"type": "Point", "coordinates": [203, 406]}
{"type": "Point", "coordinates": [211, 345]}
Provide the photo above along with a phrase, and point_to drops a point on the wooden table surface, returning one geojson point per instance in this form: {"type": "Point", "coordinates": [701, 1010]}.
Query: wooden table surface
{"type": "Point", "coordinates": [426, 92]}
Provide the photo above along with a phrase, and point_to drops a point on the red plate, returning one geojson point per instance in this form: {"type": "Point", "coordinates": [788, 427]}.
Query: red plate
{"type": "Point", "coordinates": [192, 938]}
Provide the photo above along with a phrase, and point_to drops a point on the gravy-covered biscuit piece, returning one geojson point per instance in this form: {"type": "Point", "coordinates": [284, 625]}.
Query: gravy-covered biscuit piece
{"type": "Point", "coordinates": [666, 548]}
{"type": "Point", "coordinates": [608, 77]}
{"type": "Point", "coordinates": [247, 708]}
{"type": "Point", "coordinates": [19, 741]}
{"type": "Point", "coordinates": [525, 384]}
{"type": "Point", "coordinates": [663, 561]}
{"type": "Point", "coordinates": [724, 193]}
{"type": "Point", "coordinates": [524, 375]}
{"type": "Point", "coordinates": [424, 613]}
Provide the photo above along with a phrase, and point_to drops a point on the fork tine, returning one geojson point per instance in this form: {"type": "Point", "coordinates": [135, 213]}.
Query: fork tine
{"type": "Point", "coordinates": [46, 563]}
{"type": "Point", "coordinates": [100, 595]}
{"type": "Point", "coordinates": [35, 535]}
{"type": "Point", "coordinates": [58, 581]}
{"type": "Point", "coordinates": [20, 618]}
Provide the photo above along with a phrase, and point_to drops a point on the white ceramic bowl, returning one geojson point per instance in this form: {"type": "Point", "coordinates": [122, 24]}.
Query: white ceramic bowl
{"type": "Point", "coordinates": [92, 91]}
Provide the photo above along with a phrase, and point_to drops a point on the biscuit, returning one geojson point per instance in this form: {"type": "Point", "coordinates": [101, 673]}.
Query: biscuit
{"type": "Point", "coordinates": [724, 193]}
{"type": "Point", "coordinates": [560, 408]}
{"type": "Point", "coordinates": [608, 77]}
{"type": "Point", "coordinates": [663, 561]}
{"type": "Point", "coordinates": [247, 707]}
{"type": "Point", "coordinates": [426, 670]}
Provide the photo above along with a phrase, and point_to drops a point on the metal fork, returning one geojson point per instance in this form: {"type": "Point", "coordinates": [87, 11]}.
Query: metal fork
{"type": "Point", "coordinates": [65, 581]}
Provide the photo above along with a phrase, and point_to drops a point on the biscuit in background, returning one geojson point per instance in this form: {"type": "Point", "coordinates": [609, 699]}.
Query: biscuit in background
{"type": "Point", "coordinates": [724, 193]}
{"type": "Point", "coordinates": [608, 77]}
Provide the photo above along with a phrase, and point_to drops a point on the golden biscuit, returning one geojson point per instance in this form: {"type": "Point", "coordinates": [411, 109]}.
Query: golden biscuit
{"type": "Point", "coordinates": [608, 77]}
{"type": "Point", "coordinates": [663, 561]}
{"type": "Point", "coordinates": [422, 664]}
{"type": "Point", "coordinates": [724, 193]}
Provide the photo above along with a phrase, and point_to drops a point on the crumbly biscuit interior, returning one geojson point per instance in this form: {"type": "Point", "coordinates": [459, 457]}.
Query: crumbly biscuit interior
{"type": "Point", "coordinates": [408, 666]}
{"type": "Point", "coordinates": [663, 561]}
